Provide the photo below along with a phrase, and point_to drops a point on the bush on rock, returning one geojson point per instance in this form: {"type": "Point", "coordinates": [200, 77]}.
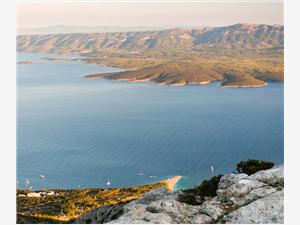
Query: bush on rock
{"type": "Point", "coordinates": [252, 166]}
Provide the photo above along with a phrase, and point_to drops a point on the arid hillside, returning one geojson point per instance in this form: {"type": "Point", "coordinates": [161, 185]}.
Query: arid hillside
{"type": "Point", "coordinates": [240, 55]}
{"type": "Point", "coordinates": [238, 36]}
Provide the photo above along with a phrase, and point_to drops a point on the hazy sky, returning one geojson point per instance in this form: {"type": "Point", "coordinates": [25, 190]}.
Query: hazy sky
{"type": "Point", "coordinates": [38, 14]}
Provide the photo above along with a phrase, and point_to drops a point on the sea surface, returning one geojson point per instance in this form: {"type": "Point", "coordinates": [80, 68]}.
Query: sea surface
{"type": "Point", "coordinates": [79, 132]}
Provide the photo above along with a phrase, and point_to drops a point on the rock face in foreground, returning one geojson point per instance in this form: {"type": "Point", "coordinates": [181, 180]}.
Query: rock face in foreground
{"type": "Point", "coordinates": [240, 199]}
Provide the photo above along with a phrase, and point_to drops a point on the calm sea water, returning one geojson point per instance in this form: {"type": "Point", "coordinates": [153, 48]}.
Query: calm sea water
{"type": "Point", "coordinates": [81, 132]}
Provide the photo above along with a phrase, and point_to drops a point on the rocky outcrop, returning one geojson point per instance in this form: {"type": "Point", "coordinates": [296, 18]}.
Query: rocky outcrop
{"type": "Point", "coordinates": [103, 214]}
{"type": "Point", "coordinates": [257, 198]}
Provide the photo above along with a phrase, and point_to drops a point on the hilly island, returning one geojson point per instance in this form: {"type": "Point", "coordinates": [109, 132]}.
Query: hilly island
{"type": "Point", "coordinates": [239, 55]}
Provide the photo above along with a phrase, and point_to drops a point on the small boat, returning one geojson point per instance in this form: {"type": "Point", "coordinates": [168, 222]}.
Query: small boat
{"type": "Point", "coordinates": [27, 182]}
{"type": "Point", "coordinates": [108, 183]}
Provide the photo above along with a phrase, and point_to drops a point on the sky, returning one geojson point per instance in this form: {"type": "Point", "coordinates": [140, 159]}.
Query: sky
{"type": "Point", "coordinates": [31, 14]}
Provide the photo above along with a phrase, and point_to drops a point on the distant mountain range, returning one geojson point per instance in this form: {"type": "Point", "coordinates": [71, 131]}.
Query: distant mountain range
{"type": "Point", "coordinates": [246, 36]}
{"type": "Point", "coordinates": [62, 29]}
{"type": "Point", "coordinates": [239, 55]}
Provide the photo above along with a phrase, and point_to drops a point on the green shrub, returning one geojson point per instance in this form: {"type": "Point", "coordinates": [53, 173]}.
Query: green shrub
{"type": "Point", "coordinates": [208, 188]}
{"type": "Point", "coordinates": [189, 199]}
{"type": "Point", "coordinates": [251, 166]}
{"type": "Point", "coordinates": [195, 196]}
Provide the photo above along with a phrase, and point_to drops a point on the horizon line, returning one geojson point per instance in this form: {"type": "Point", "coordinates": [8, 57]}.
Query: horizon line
{"type": "Point", "coordinates": [153, 26]}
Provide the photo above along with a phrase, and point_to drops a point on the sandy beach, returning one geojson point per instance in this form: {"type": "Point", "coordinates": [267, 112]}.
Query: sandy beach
{"type": "Point", "coordinates": [171, 182]}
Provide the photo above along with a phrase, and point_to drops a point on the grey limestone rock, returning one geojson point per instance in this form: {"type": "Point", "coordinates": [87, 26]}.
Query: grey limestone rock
{"type": "Point", "coordinates": [240, 199]}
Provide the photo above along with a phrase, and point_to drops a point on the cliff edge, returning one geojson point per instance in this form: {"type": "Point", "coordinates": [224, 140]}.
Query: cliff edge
{"type": "Point", "coordinates": [258, 198]}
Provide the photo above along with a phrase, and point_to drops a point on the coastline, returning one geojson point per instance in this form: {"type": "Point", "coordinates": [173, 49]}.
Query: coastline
{"type": "Point", "coordinates": [245, 86]}
{"type": "Point", "coordinates": [27, 62]}
{"type": "Point", "coordinates": [41, 205]}
{"type": "Point", "coordinates": [180, 84]}
{"type": "Point", "coordinates": [134, 80]}
{"type": "Point", "coordinates": [171, 182]}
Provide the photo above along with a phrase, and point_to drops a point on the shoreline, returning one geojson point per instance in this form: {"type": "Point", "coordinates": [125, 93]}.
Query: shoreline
{"type": "Point", "coordinates": [171, 182]}
{"type": "Point", "coordinates": [29, 62]}
{"type": "Point", "coordinates": [99, 75]}
{"type": "Point", "coordinates": [37, 205]}
{"type": "Point", "coordinates": [90, 198]}
{"type": "Point", "coordinates": [95, 202]}
{"type": "Point", "coordinates": [245, 86]}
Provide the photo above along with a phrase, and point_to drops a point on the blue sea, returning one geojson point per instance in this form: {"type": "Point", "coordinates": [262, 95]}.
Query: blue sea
{"type": "Point", "coordinates": [80, 132]}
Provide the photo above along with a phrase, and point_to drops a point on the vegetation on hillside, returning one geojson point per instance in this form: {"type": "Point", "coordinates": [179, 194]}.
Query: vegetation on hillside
{"type": "Point", "coordinates": [68, 204]}
{"type": "Point", "coordinates": [196, 195]}
{"type": "Point", "coordinates": [208, 188]}
{"type": "Point", "coordinates": [251, 166]}
{"type": "Point", "coordinates": [64, 205]}
{"type": "Point", "coordinates": [239, 55]}
{"type": "Point", "coordinates": [232, 72]}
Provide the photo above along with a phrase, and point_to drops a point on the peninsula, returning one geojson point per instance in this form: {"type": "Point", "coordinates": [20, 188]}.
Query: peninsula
{"type": "Point", "coordinates": [183, 73]}
{"type": "Point", "coordinates": [64, 205]}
